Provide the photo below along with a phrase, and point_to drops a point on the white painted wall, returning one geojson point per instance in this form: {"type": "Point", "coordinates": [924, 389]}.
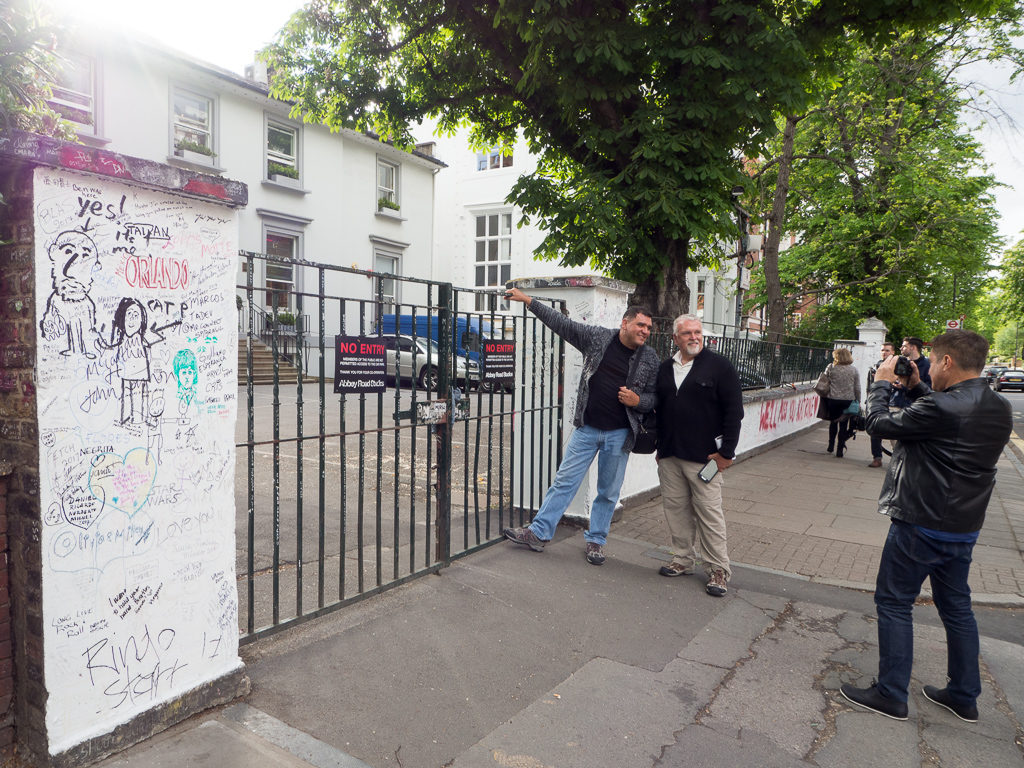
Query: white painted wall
{"type": "Point", "coordinates": [137, 466]}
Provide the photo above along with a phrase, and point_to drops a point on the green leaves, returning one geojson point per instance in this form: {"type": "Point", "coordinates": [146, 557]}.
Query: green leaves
{"type": "Point", "coordinates": [640, 113]}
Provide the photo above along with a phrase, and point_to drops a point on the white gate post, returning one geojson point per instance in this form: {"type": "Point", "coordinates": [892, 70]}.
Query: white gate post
{"type": "Point", "coordinates": [589, 299]}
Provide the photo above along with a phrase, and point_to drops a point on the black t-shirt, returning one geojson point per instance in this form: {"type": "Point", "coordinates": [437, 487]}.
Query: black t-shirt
{"type": "Point", "coordinates": [604, 411]}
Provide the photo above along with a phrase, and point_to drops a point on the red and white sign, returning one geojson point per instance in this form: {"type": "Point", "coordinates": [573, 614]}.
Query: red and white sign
{"type": "Point", "coordinates": [952, 325]}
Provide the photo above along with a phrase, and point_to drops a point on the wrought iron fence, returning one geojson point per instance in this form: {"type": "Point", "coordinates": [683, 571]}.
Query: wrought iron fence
{"type": "Point", "coordinates": [762, 360]}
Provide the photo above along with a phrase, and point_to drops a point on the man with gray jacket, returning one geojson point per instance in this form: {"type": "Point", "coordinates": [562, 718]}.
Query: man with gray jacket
{"type": "Point", "coordinates": [617, 383]}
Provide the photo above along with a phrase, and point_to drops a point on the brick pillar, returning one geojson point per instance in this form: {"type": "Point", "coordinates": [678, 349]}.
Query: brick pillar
{"type": "Point", "coordinates": [22, 693]}
{"type": "Point", "coordinates": [7, 733]}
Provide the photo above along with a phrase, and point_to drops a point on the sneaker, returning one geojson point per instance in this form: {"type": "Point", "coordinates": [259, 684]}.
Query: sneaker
{"type": "Point", "coordinates": [676, 569]}
{"type": "Point", "coordinates": [870, 698]}
{"type": "Point", "coordinates": [941, 697]}
{"type": "Point", "coordinates": [595, 554]}
{"type": "Point", "coordinates": [526, 537]}
{"type": "Point", "coordinates": [875, 464]}
{"type": "Point", "coordinates": [716, 584]}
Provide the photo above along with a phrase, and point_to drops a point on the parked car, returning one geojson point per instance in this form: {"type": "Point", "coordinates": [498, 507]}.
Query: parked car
{"type": "Point", "coordinates": [1011, 378]}
{"type": "Point", "coordinates": [417, 359]}
{"type": "Point", "coordinates": [993, 371]}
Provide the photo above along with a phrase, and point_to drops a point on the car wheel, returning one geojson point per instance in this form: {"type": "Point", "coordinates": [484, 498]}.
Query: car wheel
{"type": "Point", "coordinates": [486, 386]}
{"type": "Point", "coordinates": [428, 381]}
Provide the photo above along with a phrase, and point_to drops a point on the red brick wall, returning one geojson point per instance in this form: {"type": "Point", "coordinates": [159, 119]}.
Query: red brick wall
{"type": "Point", "coordinates": [22, 691]}
{"type": "Point", "coordinates": [6, 656]}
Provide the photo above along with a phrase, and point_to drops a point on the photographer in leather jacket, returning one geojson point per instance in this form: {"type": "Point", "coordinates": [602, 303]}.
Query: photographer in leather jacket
{"type": "Point", "coordinates": [936, 491]}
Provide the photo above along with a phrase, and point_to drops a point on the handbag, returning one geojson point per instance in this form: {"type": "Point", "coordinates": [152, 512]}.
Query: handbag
{"type": "Point", "coordinates": [647, 434]}
{"type": "Point", "coordinates": [823, 385]}
{"type": "Point", "coordinates": [853, 408]}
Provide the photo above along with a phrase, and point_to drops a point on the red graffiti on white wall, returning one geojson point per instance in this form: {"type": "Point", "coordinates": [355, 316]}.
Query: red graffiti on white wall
{"type": "Point", "coordinates": [793, 410]}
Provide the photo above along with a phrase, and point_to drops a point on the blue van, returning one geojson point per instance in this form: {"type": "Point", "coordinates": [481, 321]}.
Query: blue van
{"type": "Point", "coordinates": [467, 331]}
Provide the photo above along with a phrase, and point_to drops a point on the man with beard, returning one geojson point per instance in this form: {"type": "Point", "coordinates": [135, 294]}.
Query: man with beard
{"type": "Point", "coordinates": [700, 407]}
{"type": "Point", "coordinates": [70, 312]}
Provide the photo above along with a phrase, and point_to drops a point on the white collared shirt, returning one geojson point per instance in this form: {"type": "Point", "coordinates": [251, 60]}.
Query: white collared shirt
{"type": "Point", "coordinates": [680, 369]}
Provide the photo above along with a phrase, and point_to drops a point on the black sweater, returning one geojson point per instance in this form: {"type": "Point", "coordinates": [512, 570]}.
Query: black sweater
{"type": "Point", "coordinates": [708, 404]}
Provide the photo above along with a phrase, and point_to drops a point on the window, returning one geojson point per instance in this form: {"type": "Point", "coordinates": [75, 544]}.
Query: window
{"type": "Point", "coordinates": [282, 151]}
{"type": "Point", "coordinates": [386, 286]}
{"type": "Point", "coordinates": [387, 185]}
{"type": "Point", "coordinates": [74, 93]}
{"type": "Point", "coordinates": [701, 293]}
{"type": "Point", "coordinates": [193, 122]}
{"type": "Point", "coordinates": [280, 277]}
{"type": "Point", "coordinates": [493, 256]}
{"type": "Point", "coordinates": [489, 161]}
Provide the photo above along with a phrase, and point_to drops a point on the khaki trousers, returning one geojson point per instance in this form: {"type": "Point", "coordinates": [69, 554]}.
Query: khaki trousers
{"type": "Point", "coordinates": [693, 511]}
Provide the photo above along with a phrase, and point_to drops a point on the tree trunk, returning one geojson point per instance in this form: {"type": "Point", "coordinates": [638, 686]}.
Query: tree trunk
{"type": "Point", "coordinates": [669, 296]}
{"type": "Point", "coordinates": [776, 222]}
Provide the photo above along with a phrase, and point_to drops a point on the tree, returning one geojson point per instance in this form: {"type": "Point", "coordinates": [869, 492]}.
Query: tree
{"type": "Point", "coordinates": [27, 68]}
{"type": "Point", "coordinates": [640, 113]}
{"type": "Point", "coordinates": [892, 215]}
{"type": "Point", "coordinates": [1011, 283]}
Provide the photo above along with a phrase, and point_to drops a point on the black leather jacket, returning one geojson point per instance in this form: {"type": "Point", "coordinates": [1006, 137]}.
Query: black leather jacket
{"type": "Point", "coordinates": [947, 443]}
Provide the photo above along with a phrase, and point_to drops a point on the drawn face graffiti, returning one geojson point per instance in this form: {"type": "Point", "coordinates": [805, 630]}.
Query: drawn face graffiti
{"type": "Point", "coordinates": [74, 261]}
{"type": "Point", "coordinates": [187, 378]}
{"type": "Point", "coordinates": [132, 321]}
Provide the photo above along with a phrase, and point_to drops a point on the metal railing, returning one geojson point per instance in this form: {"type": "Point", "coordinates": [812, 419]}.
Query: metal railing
{"type": "Point", "coordinates": [345, 495]}
{"type": "Point", "coordinates": [271, 331]}
{"type": "Point", "coordinates": [762, 360]}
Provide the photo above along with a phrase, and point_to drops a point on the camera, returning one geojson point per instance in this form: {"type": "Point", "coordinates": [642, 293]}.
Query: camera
{"type": "Point", "coordinates": [903, 367]}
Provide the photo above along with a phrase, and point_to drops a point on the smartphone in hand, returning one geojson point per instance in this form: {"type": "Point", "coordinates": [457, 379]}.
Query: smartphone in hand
{"type": "Point", "coordinates": [708, 472]}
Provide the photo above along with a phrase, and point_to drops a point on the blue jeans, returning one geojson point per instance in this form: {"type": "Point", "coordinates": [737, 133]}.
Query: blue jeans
{"type": "Point", "coordinates": [585, 443]}
{"type": "Point", "coordinates": [908, 557]}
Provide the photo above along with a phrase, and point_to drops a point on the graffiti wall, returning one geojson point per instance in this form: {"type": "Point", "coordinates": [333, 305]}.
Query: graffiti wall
{"type": "Point", "coordinates": [137, 393]}
{"type": "Point", "coordinates": [769, 419]}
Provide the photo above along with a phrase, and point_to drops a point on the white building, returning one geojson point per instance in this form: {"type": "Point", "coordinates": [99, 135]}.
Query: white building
{"type": "Point", "coordinates": [343, 198]}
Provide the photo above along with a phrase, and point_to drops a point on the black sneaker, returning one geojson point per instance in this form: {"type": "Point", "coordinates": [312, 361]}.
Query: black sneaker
{"type": "Point", "coordinates": [870, 698]}
{"type": "Point", "coordinates": [941, 697]}
{"type": "Point", "coordinates": [526, 537]}
{"type": "Point", "coordinates": [595, 554]}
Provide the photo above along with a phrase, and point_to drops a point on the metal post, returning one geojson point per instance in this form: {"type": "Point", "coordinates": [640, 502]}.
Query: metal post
{"type": "Point", "coordinates": [443, 430]}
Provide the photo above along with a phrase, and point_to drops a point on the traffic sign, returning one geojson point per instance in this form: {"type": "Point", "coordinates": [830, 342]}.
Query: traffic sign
{"type": "Point", "coordinates": [952, 325]}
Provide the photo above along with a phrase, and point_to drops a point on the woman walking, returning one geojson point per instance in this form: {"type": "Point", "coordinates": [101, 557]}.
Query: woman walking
{"type": "Point", "coordinates": [843, 390]}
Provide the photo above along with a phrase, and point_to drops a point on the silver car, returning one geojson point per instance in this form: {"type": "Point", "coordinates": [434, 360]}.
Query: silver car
{"type": "Point", "coordinates": [418, 359]}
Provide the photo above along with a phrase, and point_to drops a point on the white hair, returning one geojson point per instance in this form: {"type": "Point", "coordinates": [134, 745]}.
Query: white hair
{"type": "Point", "coordinates": [686, 319]}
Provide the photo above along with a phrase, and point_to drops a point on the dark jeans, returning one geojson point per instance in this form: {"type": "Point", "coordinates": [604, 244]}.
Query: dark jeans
{"type": "Point", "coordinates": [908, 557]}
{"type": "Point", "coordinates": [876, 447]}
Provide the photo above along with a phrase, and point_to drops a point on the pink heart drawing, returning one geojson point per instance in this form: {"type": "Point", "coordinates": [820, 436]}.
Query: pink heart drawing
{"type": "Point", "coordinates": [123, 482]}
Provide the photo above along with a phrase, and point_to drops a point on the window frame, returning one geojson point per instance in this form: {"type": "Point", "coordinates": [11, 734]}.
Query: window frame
{"type": "Point", "coordinates": [213, 123]}
{"type": "Point", "coordinates": [486, 263]}
{"type": "Point", "coordinates": [281, 225]}
{"type": "Point", "coordinates": [494, 160]}
{"type": "Point", "coordinates": [395, 192]}
{"type": "Point", "coordinates": [272, 122]}
{"type": "Point", "coordinates": [95, 95]}
{"type": "Point", "coordinates": [383, 252]}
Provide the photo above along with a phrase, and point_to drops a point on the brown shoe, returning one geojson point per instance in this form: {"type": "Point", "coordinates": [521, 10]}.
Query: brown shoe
{"type": "Point", "coordinates": [716, 584]}
{"type": "Point", "coordinates": [676, 569]}
{"type": "Point", "coordinates": [875, 464]}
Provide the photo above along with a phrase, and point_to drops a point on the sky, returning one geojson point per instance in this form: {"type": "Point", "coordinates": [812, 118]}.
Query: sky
{"type": "Point", "coordinates": [228, 32]}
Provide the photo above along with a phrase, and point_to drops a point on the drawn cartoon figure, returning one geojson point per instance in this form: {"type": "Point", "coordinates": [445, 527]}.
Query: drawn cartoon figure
{"type": "Point", "coordinates": [132, 360]}
{"type": "Point", "coordinates": [70, 312]}
{"type": "Point", "coordinates": [186, 371]}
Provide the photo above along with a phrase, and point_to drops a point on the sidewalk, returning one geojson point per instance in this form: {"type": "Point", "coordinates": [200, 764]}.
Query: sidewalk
{"type": "Point", "coordinates": [538, 660]}
{"type": "Point", "coordinates": [801, 511]}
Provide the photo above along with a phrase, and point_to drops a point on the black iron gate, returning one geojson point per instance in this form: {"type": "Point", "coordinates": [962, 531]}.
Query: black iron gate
{"type": "Point", "coordinates": [343, 496]}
